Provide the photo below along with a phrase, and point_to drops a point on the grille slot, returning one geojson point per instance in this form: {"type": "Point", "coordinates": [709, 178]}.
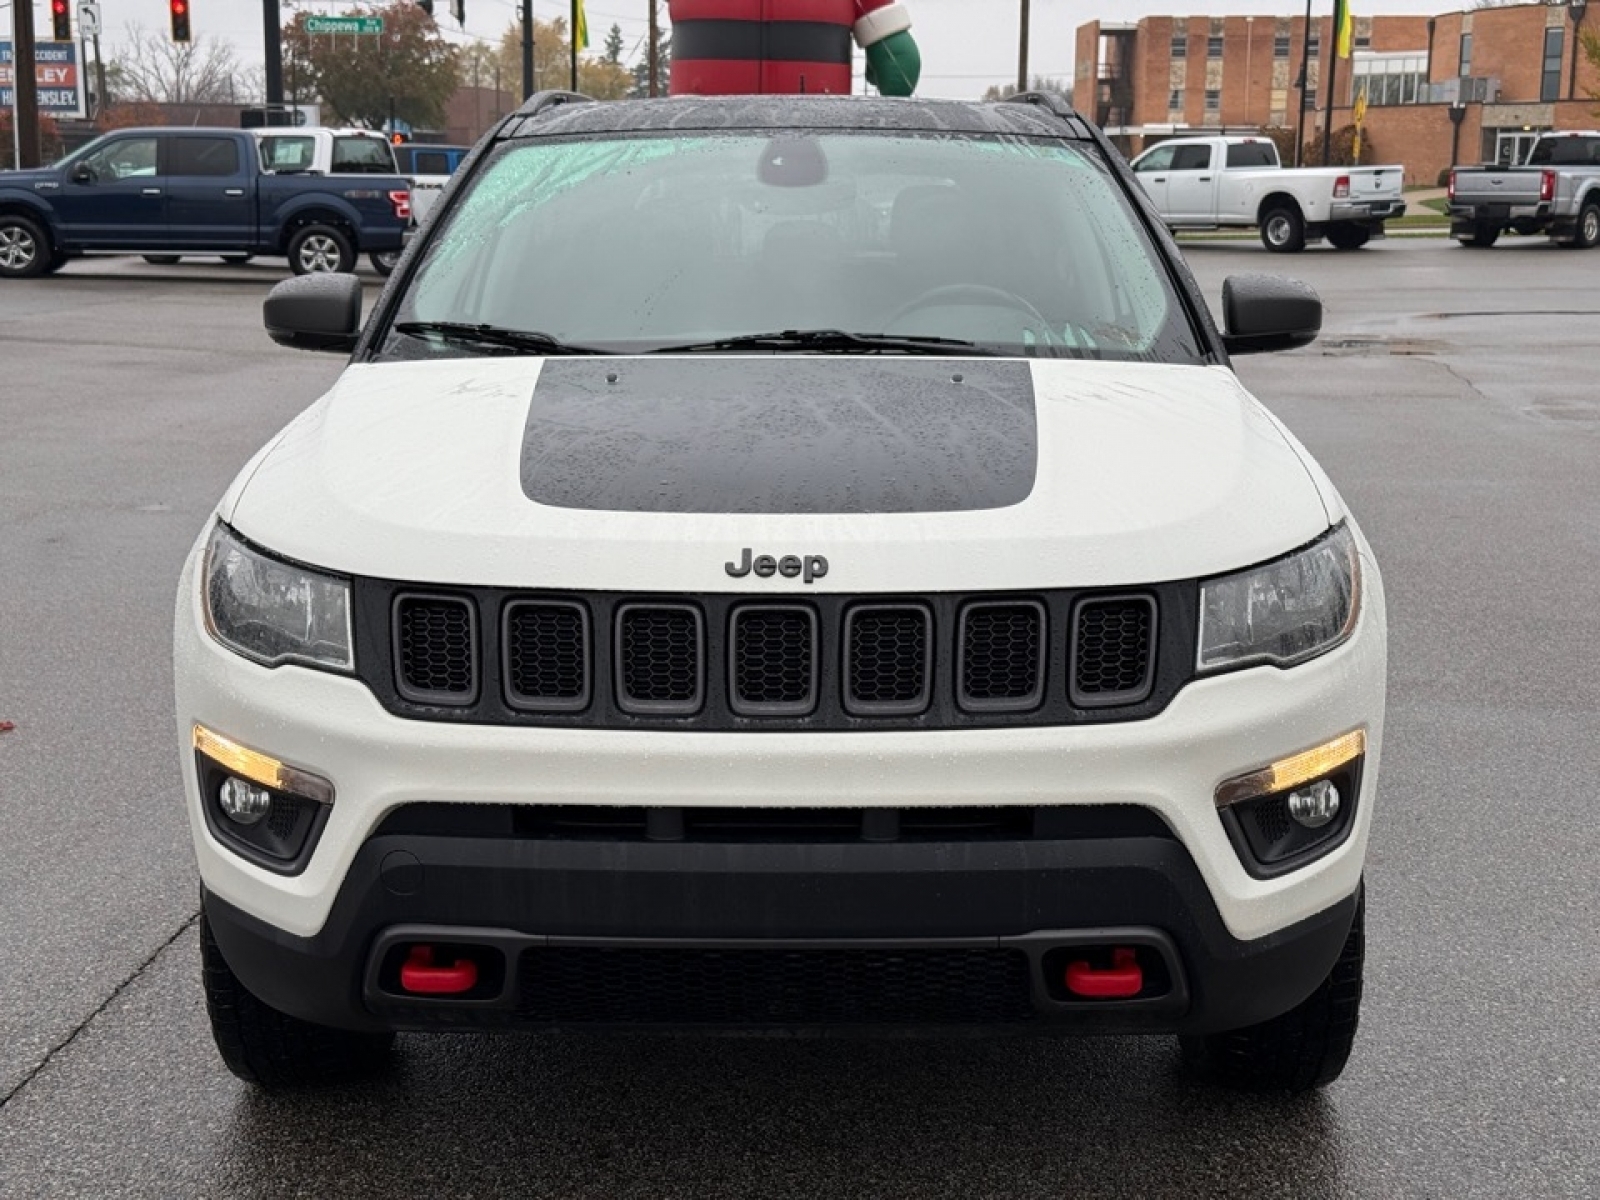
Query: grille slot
{"type": "Point", "coordinates": [772, 669]}
{"type": "Point", "coordinates": [547, 656]}
{"type": "Point", "coordinates": [660, 659]}
{"type": "Point", "coordinates": [888, 657]}
{"type": "Point", "coordinates": [1002, 656]}
{"type": "Point", "coordinates": [1113, 655]}
{"type": "Point", "coordinates": [584, 985]}
{"type": "Point", "coordinates": [435, 649]}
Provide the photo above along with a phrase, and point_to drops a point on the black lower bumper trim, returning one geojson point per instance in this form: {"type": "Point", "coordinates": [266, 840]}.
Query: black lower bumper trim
{"type": "Point", "coordinates": [934, 932]}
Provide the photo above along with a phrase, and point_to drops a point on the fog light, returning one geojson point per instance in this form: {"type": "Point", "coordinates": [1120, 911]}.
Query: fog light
{"type": "Point", "coordinates": [1316, 805]}
{"type": "Point", "coordinates": [244, 802]}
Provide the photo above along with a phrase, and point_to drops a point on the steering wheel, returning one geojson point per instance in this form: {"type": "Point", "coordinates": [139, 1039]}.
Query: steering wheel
{"type": "Point", "coordinates": [952, 294]}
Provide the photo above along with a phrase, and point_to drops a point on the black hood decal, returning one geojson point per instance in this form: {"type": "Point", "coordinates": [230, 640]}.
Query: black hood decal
{"type": "Point", "coordinates": [781, 434]}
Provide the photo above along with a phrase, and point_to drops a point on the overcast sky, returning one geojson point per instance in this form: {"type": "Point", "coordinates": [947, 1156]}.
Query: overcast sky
{"type": "Point", "coordinates": [966, 44]}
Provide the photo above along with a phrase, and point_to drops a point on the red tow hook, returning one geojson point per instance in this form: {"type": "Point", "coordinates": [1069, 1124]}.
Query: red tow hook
{"type": "Point", "coordinates": [419, 975]}
{"type": "Point", "coordinates": [1121, 981]}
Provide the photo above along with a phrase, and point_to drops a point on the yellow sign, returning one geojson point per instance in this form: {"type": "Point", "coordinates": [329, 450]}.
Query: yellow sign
{"type": "Point", "coordinates": [1359, 114]}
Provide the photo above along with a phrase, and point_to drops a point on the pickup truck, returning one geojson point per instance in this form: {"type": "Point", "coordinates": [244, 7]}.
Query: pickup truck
{"type": "Point", "coordinates": [1238, 182]}
{"type": "Point", "coordinates": [322, 151]}
{"type": "Point", "coordinates": [1556, 192]}
{"type": "Point", "coordinates": [168, 191]}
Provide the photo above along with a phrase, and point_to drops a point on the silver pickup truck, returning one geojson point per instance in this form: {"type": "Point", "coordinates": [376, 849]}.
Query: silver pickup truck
{"type": "Point", "coordinates": [1556, 192]}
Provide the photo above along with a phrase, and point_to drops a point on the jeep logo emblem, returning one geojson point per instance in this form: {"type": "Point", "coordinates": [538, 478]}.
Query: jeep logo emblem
{"type": "Point", "coordinates": [790, 566]}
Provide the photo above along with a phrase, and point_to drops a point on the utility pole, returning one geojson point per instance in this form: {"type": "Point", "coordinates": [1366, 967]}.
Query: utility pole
{"type": "Point", "coordinates": [572, 39]}
{"type": "Point", "coordinates": [272, 33]}
{"type": "Point", "coordinates": [1327, 118]}
{"type": "Point", "coordinates": [24, 84]}
{"type": "Point", "coordinates": [1022, 53]}
{"type": "Point", "coordinates": [1305, 81]}
{"type": "Point", "coordinates": [655, 54]}
{"type": "Point", "coordinates": [527, 48]}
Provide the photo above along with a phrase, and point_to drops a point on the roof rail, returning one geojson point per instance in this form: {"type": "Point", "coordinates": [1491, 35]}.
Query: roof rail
{"type": "Point", "coordinates": [1054, 101]}
{"type": "Point", "coordinates": [542, 101]}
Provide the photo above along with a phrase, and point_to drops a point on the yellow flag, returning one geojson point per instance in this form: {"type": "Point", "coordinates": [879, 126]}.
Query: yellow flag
{"type": "Point", "coordinates": [580, 25]}
{"type": "Point", "coordinates": [1344, 28]}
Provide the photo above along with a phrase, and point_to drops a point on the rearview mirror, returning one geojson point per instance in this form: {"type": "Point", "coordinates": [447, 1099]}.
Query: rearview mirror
{"type": "Point", "coordinates": [315, 312]}
{"type": "Point", "coordinates": [1261, 313]}
{"type": "Point", "coordinates": [82, 173]}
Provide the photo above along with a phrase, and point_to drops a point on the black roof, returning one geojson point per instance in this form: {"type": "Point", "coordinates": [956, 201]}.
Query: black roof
{"type": "Point", "coordinates": [561, 114]}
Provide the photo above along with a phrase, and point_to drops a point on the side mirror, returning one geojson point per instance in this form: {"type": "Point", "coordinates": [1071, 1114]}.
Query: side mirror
{"type": "Point", "coordinates": [82, 173]}
{"type": "Point", "coordinates": [315, 312]}
{"type": "Point", "coordinates": [1261, 313]}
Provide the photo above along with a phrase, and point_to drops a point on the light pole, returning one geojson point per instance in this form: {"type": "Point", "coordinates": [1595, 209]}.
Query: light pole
{"type": "Point", "coordinates": [1249, 47]}
{"type": "Point", "coordinates": [1305, 80]}
{"type": "Point", "coordinates": [1575, 13]}
{"type": "Point", "coordinates": [1022, 54]}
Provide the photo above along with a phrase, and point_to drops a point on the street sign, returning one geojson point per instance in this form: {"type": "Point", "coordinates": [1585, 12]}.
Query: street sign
{"type": "Point", "coordinates": [344, 24]}
{"type": "Point", "coordinates": [60, 82]}
{"type": "Point", "coordinates": [89, 20]}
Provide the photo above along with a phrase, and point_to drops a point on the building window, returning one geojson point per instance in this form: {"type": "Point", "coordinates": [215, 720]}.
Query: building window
{"type": "Point", "coordinates": [1314, 48]}
{"type": "Point", "coordinates": [1280, 45]}
{"type": "Point", "coordinates": [1390, 78]}
{"type": "Point", "coordinates": [1363, 41]}
{"type": "Point", "coordinates": [1213, 47]}
{"type": "Point", "coordinates": [1550, 81]}
{"type": "Point", "coordinates": [1175, 100]}
{"type": "Point", "coordinates": [1180, 45]}
{"type": "Point", "coordinates": [1466, 55]}
{"type": "Point", "coordinates": [1213, 100]}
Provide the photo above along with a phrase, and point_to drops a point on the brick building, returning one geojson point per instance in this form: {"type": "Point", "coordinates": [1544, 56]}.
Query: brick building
{"type": "Point", "coordinates": [1458, 87]}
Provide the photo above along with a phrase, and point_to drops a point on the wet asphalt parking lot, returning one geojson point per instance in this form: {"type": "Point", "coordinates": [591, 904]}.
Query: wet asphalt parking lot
{"type": "Point", "coordinates": [1455, 400]}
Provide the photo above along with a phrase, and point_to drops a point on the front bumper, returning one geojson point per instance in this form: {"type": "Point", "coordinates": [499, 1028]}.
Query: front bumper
{"type": "Point", "coordinates": [1225, 935]}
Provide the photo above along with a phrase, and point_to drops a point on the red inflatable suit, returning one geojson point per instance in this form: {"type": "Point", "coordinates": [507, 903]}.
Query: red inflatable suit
{"type": "Point", "coordinates": [751, 47]}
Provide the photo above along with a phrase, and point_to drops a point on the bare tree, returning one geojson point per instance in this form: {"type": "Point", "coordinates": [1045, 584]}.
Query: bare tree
{"type": "Point", "coordinates": [155, 70]}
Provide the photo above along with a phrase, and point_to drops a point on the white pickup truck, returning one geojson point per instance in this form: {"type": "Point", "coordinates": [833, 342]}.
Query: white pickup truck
{"type": "Point", "coordinates": [1216, 182]}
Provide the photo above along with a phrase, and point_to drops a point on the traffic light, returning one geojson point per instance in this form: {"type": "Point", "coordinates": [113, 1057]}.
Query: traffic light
{"type": "Point", "coordinates": [180, 19]}
{"type": "Point", "coordinates": [61, 18]}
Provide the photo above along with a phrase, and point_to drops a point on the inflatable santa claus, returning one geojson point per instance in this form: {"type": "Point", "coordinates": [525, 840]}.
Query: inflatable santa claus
{"type": "Point", "coordinates": [754, 47]}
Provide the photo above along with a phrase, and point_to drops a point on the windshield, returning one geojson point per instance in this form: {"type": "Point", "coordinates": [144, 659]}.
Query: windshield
{"type": "Point", "coordinates": [643, 243]}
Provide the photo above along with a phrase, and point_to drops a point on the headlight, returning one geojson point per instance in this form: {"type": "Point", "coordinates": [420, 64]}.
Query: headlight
{"type": "Point", "coordinates": [1282, 612]}
{"type": "Point", "coordinates": [273, 611]}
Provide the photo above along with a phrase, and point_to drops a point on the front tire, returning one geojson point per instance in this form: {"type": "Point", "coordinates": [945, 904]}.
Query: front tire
{"type": "Point", "coordinates": [24, 250]}
{"type": "Point", "coordinates": [1283, 229]}
{"type": "Point", "coordinates": [1348, 237]}
{"type": "Point", "coordinates": [318, 249]}
{"type": "Point", "coordinates": [271, 1049]}
{"type": "Point", "coordinates": [1305, 1048]}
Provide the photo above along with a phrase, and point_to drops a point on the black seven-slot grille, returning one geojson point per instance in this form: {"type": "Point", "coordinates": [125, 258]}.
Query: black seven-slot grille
{"type": "Point", "coordinates": [493, 656]}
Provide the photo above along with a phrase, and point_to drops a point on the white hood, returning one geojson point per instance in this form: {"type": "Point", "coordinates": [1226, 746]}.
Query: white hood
{"type": "Point", "coordinates": [1144, 473]}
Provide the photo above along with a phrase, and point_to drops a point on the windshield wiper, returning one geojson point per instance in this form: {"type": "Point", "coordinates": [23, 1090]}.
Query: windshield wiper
{"type": "Point", "coordinates": [835, 340]}
{"type": "Point", "coordinates": [529, 340]}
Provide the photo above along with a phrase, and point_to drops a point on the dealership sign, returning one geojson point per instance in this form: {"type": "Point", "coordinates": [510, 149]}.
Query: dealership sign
{"type": "Point", "coordinates": [60, 82]}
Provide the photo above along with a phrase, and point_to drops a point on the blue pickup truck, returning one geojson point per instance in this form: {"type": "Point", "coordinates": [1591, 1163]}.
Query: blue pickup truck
{"type": "Point", "coordinates": [165, 192]}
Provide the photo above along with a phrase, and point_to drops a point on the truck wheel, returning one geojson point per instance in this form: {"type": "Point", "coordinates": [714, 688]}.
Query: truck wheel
{"type": "Point", "coordinates": [1482, 235]}
{"type": "Point", "coordinates": [24, 249]}
{"type": "Point", "coordinates": [161, 260]}
{"type": "Point", "coordinates": [263, 1046]}
{"type": "Point", "coordinates": [1303, 1049]}
{"type": "Point", "coordinates": [1588, 235]}
{"type": "Point", "coordinates": [384, 263]}
{"type": "Point", "coordinates": [319, 248]}
{"type": "Point", "coordinates": [1348, 237]}
{"type": "Point", "coordinates": [1283, 230]}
